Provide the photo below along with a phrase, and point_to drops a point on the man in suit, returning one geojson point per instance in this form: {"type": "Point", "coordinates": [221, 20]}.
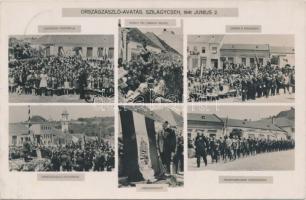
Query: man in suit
{"type": "Point", "coordinates": [169, 146]}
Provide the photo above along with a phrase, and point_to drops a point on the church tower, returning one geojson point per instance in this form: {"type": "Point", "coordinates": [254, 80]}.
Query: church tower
{"type": "Point", "coordinates": [65, 121]}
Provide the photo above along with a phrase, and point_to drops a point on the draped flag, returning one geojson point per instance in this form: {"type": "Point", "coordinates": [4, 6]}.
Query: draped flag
{"type": "Point", "coordinates": [140, 154]}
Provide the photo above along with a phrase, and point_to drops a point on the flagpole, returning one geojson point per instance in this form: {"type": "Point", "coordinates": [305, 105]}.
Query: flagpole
{"type": "Point", "coordinates": [29, 120]}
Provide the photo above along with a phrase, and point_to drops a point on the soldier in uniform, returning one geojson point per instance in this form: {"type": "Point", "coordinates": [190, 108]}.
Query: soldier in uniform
{"type": "Point", "coordinates": [254, 87]}
{"type": "Point", "coordinates": [82, 83]}
{"type": "Point", "coordinates": [179, 155]}
{"type": "Point", "coordinates": [214, 148]}
{"type": "Point", "coordinates": [201, 149]}
{"type": "Point", "coordinates": [249, 88]}
{"type": "Point", "coordinates": [244, 89]}
{"type": "Point", "coordinates": [259, 86]}
{"type": "Point", "coordinates": [273, 85]}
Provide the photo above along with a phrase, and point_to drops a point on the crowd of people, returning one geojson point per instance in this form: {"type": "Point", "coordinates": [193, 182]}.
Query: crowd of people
{"type": "Point", "coordinates": [238, 80]}
{"type": "Point", "coordinates": [88, 156]}
{"type": "Point", "coordinates": [19, 49]}
{"type": "Point", "coordinates": [151, 77]}
{"type": "Point", "coordinates": [59, 75]}
{"type": "Point", "coordinates": [229, 148]}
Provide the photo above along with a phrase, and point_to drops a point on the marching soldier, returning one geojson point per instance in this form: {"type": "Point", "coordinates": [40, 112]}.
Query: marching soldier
{"type": "Point", "coordinates": [201, 149]}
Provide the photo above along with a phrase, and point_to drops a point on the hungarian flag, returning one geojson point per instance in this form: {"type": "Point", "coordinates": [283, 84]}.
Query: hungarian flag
{"type": "Point", "coordinates": [141, 160]}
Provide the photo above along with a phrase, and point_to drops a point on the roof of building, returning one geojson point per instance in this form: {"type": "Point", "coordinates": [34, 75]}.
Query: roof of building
{"type": "Point", "coordinates": [76, 40]}
{"type": "Point", "coordinates": [18, 129]}
{"type": "Point", "coordinates": [262, 124]}
{"type": "Point", "coordinates": [204, 117]}
{"type": "Point", "coordinates": [134, 34]}
{"type": "Point", "coordinates": [280, 121]}
{"type": "Point", "coordinates": [258, 47]}
{"type": "Point", "coordinates": [172, 117]}
{"type": "Point", "coordinates": [282, 50]}
{"type": "Point", "coordinates": [173, 38]}
{"type": "Point", "coordinates": [161, 43]}
{"type": "Point", "coordinates": [154, 38]}
{"type": "Point", "coordinates": [212, 39]}
{"type": "Point", "coordinates": [289, 114]}
{"type": "Point", "coordinates": [37, 119]}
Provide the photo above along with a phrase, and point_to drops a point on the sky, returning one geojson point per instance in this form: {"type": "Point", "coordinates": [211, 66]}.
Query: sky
{"type": "Point", "coordinates": [20, 113]}
{"type": "Point", "coordinates": [239, 112]}
{"type": "Point", "coordinates": [273, 40]}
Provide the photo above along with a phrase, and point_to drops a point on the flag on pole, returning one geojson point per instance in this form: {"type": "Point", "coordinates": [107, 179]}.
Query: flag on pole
{"type": "Point", "coordinates": [29, 118]}
{"type": "Point", "coordinates": [140, 158]}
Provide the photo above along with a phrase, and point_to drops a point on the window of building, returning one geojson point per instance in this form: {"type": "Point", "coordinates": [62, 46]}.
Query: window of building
{"type": "Point", "coordinates": [134, 55]}
{"type": "Point", "coordinates": [252, 61]}
{"type": "Point", "coordinates": [203, 62]}
{"type": "Point", "coordinates": [60, 51]}
{"type": "Point", "coordinates": [48, 52]}
{"type": "Point", "coordinates": [214, 50]}
{"type": "Point", "coordinates": [203, 49]}
{"type": "Point", "coordinates": [260, 60]}
{"type": "Point", "coordinates": [100, 52]}
{"type": "Point", "coordinates": [230, 59]}
{"type": "Point", "coordinates": [110, 52]}
{"type": "Point", "coordinates": [194, 62]}
{"type": "Point", "coordinates": [89, 52]}
{"type": "Point", "coordinates": [243, 61]}
{"type": "Point", "coordinates": [195, 48]}
{"type": "Point", "coordinates": [78, 51]}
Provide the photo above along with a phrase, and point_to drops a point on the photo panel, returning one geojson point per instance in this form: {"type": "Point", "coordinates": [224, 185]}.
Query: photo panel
{"type": "Point", "coordinates": [61, 138]}
{"type": "Point", "coordinates": [241, 138]}
{"type": "Point", "coordinates": [150, 146]}
{"type": "Point", "coordinates": [241, 68]}
{"type": "Point", "coordinates": [61, 68]}
{"type": "Point", "coordinates": [150, 65]}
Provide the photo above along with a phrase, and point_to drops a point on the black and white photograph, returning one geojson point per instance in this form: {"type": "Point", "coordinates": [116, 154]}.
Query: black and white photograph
{"type": "Point", "coordinates": [241, 68]}
{"type": "Point", "coordinates": [150, 146]}
{"type": "Point", "coordinates": [61, 138]}
{"type": "Point", "coordinates": [150, 65]}
{"type": "Point", "coordinates": [61, 68]}
{"type": "Point", "coordinates": [241, 138]}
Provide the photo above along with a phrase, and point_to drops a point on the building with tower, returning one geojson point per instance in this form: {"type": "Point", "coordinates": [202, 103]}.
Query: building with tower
{"type": "Point", "coordinates": [65, 122]}
{"type": "Point", "coordinates": [41, 131]}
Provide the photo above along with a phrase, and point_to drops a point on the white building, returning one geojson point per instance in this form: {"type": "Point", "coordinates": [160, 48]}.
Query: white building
{"type": "Point", "coordinates": [86, 46]}
{"type": "Point", "coordinates": [246, 54]}
{"type": "Point", "coordinates": [283, 55]}
{"type": "Point", "coordinates": [40, 131]}
{"type": "Point", "coordinates": [212, 125]}
{"type": "Point", "coordinates": [207, 124]}
{"type": "Point", "coordinates": [204, 52]}
{"type": "Point", "coordinates": [255, 129]}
